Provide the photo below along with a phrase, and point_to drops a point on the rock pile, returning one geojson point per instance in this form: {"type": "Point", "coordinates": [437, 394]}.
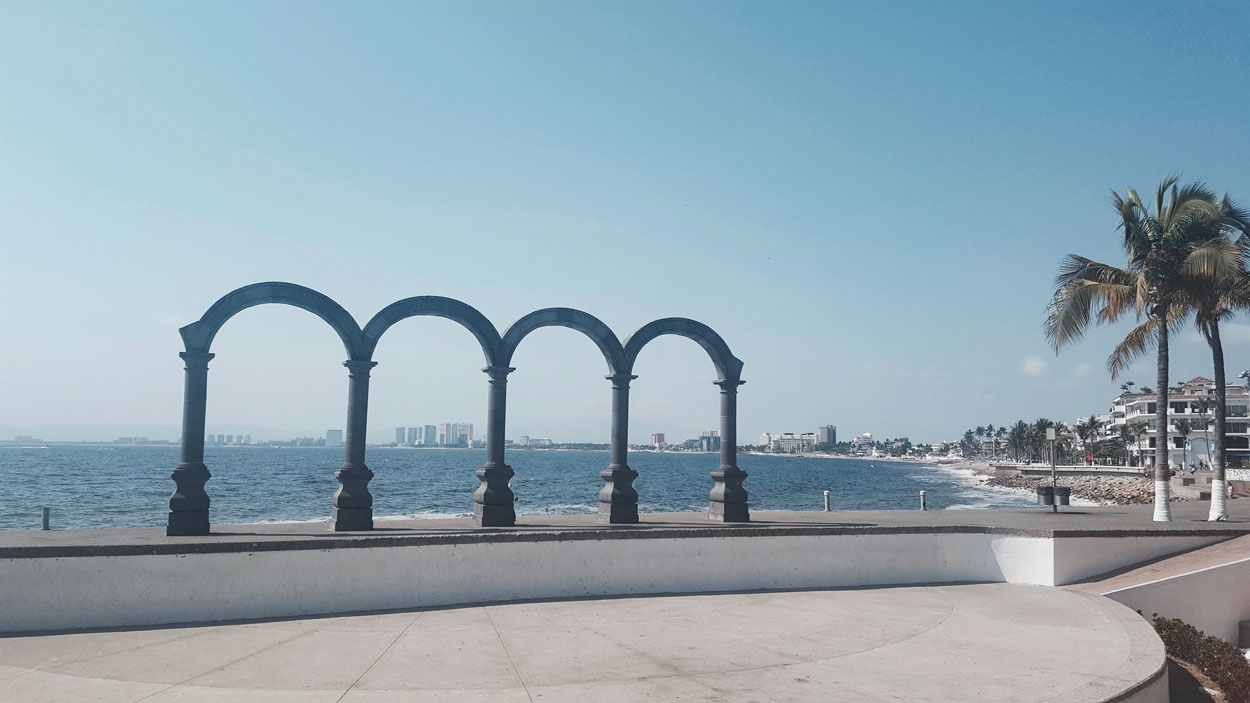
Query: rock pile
{"type": "Point", "coordinates": [1103, 489]}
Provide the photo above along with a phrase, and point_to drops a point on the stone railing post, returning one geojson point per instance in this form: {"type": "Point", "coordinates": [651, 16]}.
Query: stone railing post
{"type": "Point", "coordinates": [618, 501]}
{"type": "Point", "coordinates": [728, 499]}
{"type": "Point", "coordinates": [493, 500]}
{"type": "Point", "coordinates": [188, 506]}
{"type": "Point", "coordinates": [353, 504]}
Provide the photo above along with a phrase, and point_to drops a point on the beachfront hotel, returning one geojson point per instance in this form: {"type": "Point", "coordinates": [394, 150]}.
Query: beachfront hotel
{"type": "Point", "coordinates": [1184, 403]}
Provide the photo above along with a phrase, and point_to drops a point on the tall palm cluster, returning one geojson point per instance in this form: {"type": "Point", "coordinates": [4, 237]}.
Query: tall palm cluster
{"type": "Point", "coordinates": [1185, 260]}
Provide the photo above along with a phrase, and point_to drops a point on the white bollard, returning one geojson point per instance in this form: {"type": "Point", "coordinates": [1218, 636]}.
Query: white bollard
{"type": "Point", "coordinates": [826, 501]}
{"type": "Point", "coordinates": [46, 514]}
{"type": "Point", "coordinates": [922, 500]}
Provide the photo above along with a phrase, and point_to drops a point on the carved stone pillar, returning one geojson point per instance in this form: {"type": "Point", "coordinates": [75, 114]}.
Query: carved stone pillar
{"type": "Point", "coordinates": [353, 504]}
{"type": "Point", "coordinates": [493, 501]}
{"type": "Point", "coordinates": [188, 506]}
{"type": "Point", "coordinates": [728, 499]}
{"type": "Point", "coordinates": [618, 501]}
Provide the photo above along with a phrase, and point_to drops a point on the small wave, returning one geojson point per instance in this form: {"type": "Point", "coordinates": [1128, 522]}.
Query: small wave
{"type": "Point", "coordinates": [560, 509]}
{"type": "Point", "coordinates": [423, 515]}
{"type": "Point", "coordinates": [293, 522]}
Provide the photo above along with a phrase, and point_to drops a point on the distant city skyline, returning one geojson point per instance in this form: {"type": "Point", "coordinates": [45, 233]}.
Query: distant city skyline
{"type": "Point", "coordinates": [837, 189]}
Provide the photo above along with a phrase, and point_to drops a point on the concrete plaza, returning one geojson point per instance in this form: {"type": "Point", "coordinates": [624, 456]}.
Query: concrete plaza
{"type": "Point", "coordinates": [984, 642]}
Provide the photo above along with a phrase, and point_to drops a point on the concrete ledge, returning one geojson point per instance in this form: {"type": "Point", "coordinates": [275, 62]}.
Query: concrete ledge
{"type": "Point", "coordinates": [88, 579]}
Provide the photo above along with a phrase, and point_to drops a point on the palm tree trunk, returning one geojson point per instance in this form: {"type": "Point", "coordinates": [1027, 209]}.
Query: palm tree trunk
{"type": "Point", "coordinates": [1219, 490]}
{"type": "Point", "coordinates": [1163, 492]}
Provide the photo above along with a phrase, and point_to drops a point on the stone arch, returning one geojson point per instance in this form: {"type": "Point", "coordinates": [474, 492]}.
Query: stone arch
{"type": "Point", "coordinates": [434, 306]}
{"type": "Point", "coordinates": [727, 365]}
{"type": "Point", "coordinates": [587, 324]}
{"type": "Point", "coordinates": [198, 336]}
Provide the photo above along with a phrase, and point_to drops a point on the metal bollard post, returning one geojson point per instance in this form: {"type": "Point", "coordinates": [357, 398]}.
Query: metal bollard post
{"type": "Point", "coordinates": [826, 501]}
{"type": "Point", "coordinates": [922, 500]}
{"type": "Point", "coordinates": [46, 514]}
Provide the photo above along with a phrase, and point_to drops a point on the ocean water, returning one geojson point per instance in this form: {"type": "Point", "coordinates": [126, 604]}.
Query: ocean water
{"type": "Point", "coordinates": [129, 486]}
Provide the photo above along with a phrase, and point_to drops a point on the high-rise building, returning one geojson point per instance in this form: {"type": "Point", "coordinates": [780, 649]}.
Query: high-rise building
{"type": "Point", "coordinates": [455, 434]}
{"type": "Point", "coordinates": [827, 434]}
{"type": "Point", "coordinates": [413, 435]}
{"type": "Point", "coordinates": [710, 441]}
{"type": "Point", "coordinates": [229, 439]}
{"type": "Point", "coordinates": [399, 435]}
{"type": "Point", "coordinates": [334, 438]}
{"type": "Point", "coordinates": [658, 440]}
{"type": "Point", "coordinates": [221, 439]}
{"type": "Point", "coordinates": [429, 436]}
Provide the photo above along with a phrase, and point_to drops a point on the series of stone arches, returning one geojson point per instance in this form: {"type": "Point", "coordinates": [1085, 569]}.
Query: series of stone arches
{"type": "Point", "coordinates": [493, 500]}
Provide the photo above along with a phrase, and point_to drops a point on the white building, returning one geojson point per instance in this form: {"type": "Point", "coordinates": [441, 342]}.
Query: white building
{"type": "Point", "coordinates": [789, 442]}
{"type": "Point", "coordinates": [334, 438]}
{"type": "Point", "coordinates": [1185, 403]}
{"type": "Point", "coordinates": [455, 434]}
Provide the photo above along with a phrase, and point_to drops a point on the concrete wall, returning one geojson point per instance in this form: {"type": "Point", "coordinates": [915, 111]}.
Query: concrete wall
{"type": "Point", "coordinates": [1213, 600]}
{"type": "Point", "coordinates": [77, 592]}
{"type": "Point", "coordinates": [1078, 558]}
{"type": "Point", "coordinates": [105, 591]}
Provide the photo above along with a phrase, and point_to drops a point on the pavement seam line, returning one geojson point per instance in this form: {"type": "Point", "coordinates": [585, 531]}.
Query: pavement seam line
{"type": "Point", "coordinates": [379, 657]}
{"type": "Point", "coordinates": [233, 661]}
{"type": "Point", "coordinates": [515, 671]}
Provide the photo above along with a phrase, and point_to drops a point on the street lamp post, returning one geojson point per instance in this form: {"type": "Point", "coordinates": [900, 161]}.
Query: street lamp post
{"type": "Point", "coordinates": [1050, 437]}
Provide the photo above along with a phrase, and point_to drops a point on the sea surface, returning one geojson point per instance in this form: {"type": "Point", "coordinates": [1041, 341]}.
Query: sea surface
{"type": "Point", "coordinates": [129, 486]}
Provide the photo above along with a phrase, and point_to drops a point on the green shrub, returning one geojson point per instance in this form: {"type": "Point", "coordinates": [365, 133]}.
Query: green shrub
{"type": "Point", "coordinates": [1223, 662]}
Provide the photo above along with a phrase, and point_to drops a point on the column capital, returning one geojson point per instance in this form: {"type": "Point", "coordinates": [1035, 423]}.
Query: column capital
{"type": "Point", "coordinates": [199, 359]}
{"type": "Point", "coordinates": [498, 373]}
{"type": "Point", "coordinates": [356, 366]}
{"type": "Point", "coordinates": [728, 384]}
{"type": "Point", "coordinates": [620, 378]}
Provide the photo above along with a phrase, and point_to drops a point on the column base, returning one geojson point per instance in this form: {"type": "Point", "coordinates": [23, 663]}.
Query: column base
{"type": "Point", "coordinates": [493, 515]}
{"type": "Point", "coordinates": [729, 512]}
{"type": "Point", "coordinates": [352, 519]}
{"type": "Point", "coordinates": [191, 523]}
{"type": "Point", "coordinates": [618, 513]}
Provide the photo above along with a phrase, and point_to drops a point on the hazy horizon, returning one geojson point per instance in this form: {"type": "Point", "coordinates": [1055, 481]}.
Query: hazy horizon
{"type": "Point", "coordinates": [868, 202]}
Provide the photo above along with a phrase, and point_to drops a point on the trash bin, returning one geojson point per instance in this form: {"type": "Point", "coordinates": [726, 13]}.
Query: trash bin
{"type": "Point", "coordinates": [1045, 495]}
{"type": "Point", "coordinates": [1062, 494]}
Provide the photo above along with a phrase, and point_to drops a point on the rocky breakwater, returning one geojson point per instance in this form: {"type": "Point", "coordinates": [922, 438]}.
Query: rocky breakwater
{"type": "Point", "coordinates": [1103, 489]}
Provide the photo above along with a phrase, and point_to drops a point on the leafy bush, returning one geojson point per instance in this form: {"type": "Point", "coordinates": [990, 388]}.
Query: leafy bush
{"type": "Point", "coordinates": [1223, 662]}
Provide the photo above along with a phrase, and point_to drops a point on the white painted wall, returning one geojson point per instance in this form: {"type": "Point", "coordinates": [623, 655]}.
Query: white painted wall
{"type": "Point", "coordinates": [80, 592]}
{"type": "Point", "coordinates": [45, 594]}
{"type": "Point", "coordinates": [1079, 558]}
{"type": "Point", "coordinates": [1213, 600]}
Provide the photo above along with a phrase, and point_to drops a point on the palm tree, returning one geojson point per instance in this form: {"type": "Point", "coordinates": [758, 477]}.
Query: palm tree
{"type": "Point", "coordinates": [1203, 406]}
{"type": "Point", "coordinates": [1128, 435]}
{"type": "Point", "coordinates": [1127, 386]}
{"type": "Point", "coordinates": [1183, 237]}
{"type": "Point", "coordinates": [1087, 430]}
{"type": "Point", "coordinates": [989, 434]}
{"type": "Point", "coordinates": [1018, 438]}
{"type": "Point", "coordinates": [1214, 300]}
{"type": "Point", "coordinates": [1184, 428]}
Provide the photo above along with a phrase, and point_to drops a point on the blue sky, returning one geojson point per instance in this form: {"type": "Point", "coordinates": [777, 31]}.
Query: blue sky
{"type": "Point", "coordinates": [867, 200]}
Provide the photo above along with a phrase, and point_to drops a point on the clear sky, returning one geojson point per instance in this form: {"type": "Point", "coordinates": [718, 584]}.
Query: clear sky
{"type": "Point", "coordinates": [867, 200]}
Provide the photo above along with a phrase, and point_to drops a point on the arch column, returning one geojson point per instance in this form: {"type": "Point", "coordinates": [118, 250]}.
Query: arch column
{"type": "Point", "coordinates": [188, 506]}
{"type": "Point", "coordinates": [353, 504]}
{"type": "Point", "coordinates": [728, 499]}
{"type": "Point", "coordinates": [493, 502]}
{"type": "Point", "coordinates": [618, 501]}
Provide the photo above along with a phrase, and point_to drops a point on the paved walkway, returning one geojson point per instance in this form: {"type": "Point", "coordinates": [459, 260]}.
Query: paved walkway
{"type": "Point", "coordinates": [991, 642]}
